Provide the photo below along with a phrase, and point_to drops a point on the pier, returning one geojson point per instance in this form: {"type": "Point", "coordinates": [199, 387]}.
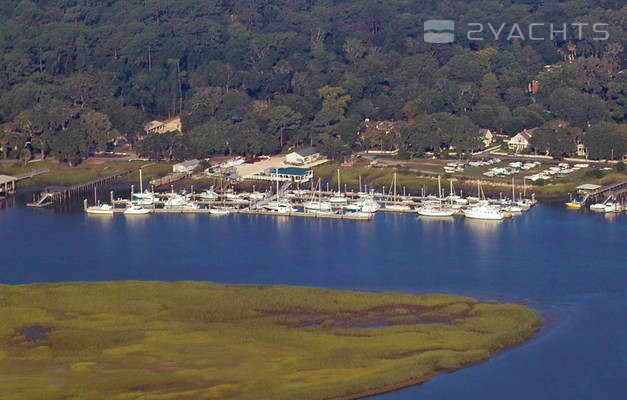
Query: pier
{"type": "Point", "coordinates": [595, 193]}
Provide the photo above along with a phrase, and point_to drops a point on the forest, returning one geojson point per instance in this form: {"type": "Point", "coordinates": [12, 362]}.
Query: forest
{"type": "Point", "coordinates": [254, 77]}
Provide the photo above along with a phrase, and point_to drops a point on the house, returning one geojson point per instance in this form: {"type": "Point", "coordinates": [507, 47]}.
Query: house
{"type": "Point", "coordinates": [379, 135]}
{"type": "Point", "coordinates": [169, 125]}
{"type": "Point", "coordinates": [186, 166]}
{"type": "Point", "coordinates": [520, 141]}
{"type": "Point", "coordinates": [486, 137]}
{"type": "Point", "coordinates": [289, 174]}
{"type": "Point", "coordinates": [302, 157]}
{"type": "Point", "coordinates": [581, 150]}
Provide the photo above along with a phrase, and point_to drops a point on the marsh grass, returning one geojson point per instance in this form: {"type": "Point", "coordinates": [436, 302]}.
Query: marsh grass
{"type": "Point", "coordinates": [190, 340]}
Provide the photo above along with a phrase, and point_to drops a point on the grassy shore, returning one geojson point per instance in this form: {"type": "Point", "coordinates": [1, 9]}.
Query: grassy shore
{"type": "Point", "coordinates": [61, 174]}
{"type": "Point", "coordinates": [414, 182]}
{"type": "Point", "coordinates": [191, 340]}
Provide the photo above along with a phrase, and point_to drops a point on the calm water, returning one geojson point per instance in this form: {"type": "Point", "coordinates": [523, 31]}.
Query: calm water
{"type": "Point", "coordinates": [569, 266]}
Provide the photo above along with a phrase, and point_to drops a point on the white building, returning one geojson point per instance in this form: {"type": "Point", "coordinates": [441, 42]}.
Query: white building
{"type": "Point", "coordinates": [520, 141]}
{"type": "Point", "coordinates": [302, 157]}
{"type": "Point", "coordinates": [486, 137]}
{"type": "Point", "coordinates": [169, 125]}
{"type": "Point", "coordinates": [186, 166]}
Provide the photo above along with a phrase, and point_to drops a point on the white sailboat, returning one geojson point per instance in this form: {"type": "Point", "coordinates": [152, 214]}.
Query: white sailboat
{"type": "Point", "coordinates": [339, 197]}
{"type": "Point", "coordinates": [317, 204]}
{"type": "Point", "coordinates": [279, 206]}
{"type": "Point", "coordinates": [396, 205]}
{"type": "Point", "coordinates": [436, 207]}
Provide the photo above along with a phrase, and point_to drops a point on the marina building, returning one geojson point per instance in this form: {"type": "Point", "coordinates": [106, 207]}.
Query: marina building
{"type": "Point", "coordinates": [303, 156]}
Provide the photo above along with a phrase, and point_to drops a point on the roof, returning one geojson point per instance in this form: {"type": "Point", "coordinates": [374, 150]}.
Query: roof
{"type": "Point", "coordinates": [527, 133]}
{"type": "Point", "coordinates": [188, 163]}
{"type": "Point", "coordinates": [152, 124]}
{"type": "Point", "coordinates": [588, 186]}
{"type": "Point", "coordinates": [6, 179]}
{"type": "Point", "coordinates": [291, 171]}
{"type": "Point", "coordinates": [306, 152]}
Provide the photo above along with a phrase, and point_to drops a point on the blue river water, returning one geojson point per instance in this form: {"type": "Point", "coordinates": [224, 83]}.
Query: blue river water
{"type": "Point", "coordinates": [571, 266]}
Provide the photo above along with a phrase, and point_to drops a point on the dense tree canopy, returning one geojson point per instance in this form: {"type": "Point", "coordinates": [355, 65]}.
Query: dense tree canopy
{"type": "Point", "coordinates": [259, 76]}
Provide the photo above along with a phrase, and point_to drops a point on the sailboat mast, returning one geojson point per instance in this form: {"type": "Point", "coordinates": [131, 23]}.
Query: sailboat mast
{"type": "Point", "coordinates": [513, 190]}
{"type": "Point", "coordinates": [439, 188]}
{"type": "Point", "coordinates": [338, 181]}
{"type": "Point", "coordinates": [141, 182]}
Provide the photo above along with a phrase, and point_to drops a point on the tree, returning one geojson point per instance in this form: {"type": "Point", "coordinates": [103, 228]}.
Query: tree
{"type": "Point", "coordinates": [577, 108]}
{"type": "Point", "coordinates": [281, 119]}
{"type": "Point", "coordinates": [606, 139]}
{"type": "Point", "coordinates": [556, 138]}
{"type": "Point", "coordinates": [25, 155]}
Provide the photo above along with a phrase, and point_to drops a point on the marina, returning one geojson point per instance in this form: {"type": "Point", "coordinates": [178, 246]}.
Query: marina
{"type": "Point", "coordinates": [579, 290]}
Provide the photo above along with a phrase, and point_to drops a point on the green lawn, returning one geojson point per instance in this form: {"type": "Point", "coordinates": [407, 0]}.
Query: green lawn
{"type": "Point", "coordinates": [194, 340]}
{"type": "Point", "coordinates": [378, 177]}
{"type": "Point", "coordinates": [64, 175]}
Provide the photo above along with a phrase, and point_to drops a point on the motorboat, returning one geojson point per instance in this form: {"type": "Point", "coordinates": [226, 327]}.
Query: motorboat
{"type": "Point", "coordinates": [613, 207]}
{"type": "Point", "coordinates": [219, 211]}
{"type": "Point", "coordinates": [100, 209]}
{"type": "Point", "coordinates": [136, 209]}
{"type": "Point", "coordinates": [484, 211]}
{"type": "Point", "coordinates": [281, 207]}
{"type": "Point", "coordinates": [338, 199]}
{"type": "Point", "coordinates": [317, 206]}
{"type": "Point", "coordinates": [433, 211]}
{"type": "Point", "coordinates": [398, 207]}
{"type": "Point", "coordinates": [598, 207]}
{"type": "Point", "coordinates": [574, 204]}
{"type": "Point", "coordinates": [146, 198]}
{"type": "Point", "coordinates": [208, 195]}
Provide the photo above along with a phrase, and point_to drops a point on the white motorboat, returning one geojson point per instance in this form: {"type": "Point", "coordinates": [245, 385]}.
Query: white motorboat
{"type": "Point", "coordinates": [208, 195]}
{"type": "Point", "coordinates": [598, 207]}
{"type": "Point", "coordinates": [613, 207]}
{"type": "Point", "coordinates": [317, 206]}
{"type": "Point", "coordinates": [338, 199]}
{"type": "Point", "coordinates": [219, 211]}
{"type": "Point", "coordinates": [432, 211]}
{"type": "Point", "coordinates": [256, 196]}
{"type": "Point", "coordinates": [281, 207]}
{"type": "Point", "coordinates": [398, 207]}
{"type": "Point", "coordinates": [484, 211]}
{"type": "Point", "coordinates": [100, 209]}
{"type": "Point", "coordinates": [136, 209]}
{"type": "Point", "coordinates": [370, 206]}
{"type": "Point", "coordinates": [360, 214]}
{"type": "Point", "coordinates": [146, 198]}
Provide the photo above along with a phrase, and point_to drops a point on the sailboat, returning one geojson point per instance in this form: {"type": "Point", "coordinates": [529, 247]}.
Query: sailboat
{"type": "Point", "coordinates": [278, 206]}
{"type": "Point", "coordinates": [317, 204]}
{"type": "Point", "coordinates": [396, 206]}
{"type": "Point", "coordinates": [436, 208]}
{"type": "Point", "coordinates": [339, 197]}
{"type": "Point", "coordinates": [511, 206]}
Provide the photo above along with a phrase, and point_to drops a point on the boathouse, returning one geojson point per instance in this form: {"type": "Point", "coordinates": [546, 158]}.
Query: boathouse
{"type": "Point", "coordinates": [7, 184]}
{"type": "Point", "coordinates": [289, 174]}
{"type": "Point", "coordinates": [302, 157]}
{"type": "Point", "coordinates": [186, 166]}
